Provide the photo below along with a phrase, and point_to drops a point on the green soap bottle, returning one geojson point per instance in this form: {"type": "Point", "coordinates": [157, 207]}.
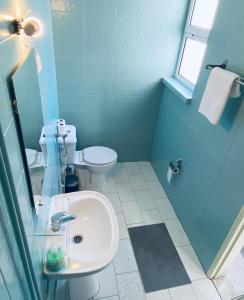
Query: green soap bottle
{"type": "Point", "coordinates": [55, 259]}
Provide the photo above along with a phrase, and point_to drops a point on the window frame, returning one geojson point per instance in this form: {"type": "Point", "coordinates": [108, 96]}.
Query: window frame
{"type": "Point", "coordinates": [194, 33]}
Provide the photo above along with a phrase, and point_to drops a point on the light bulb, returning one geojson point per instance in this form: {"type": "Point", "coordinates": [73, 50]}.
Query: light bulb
{"type": "Point", "coordinates": [32, 27]}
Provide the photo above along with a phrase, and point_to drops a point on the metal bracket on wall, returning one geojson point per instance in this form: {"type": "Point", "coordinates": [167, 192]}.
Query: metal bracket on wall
{"type": "Point", "coordinates": [222, 66]}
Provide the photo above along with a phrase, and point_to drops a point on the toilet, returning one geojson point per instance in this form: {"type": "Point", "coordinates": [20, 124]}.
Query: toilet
{"type": "Point", "coordinates": [92, 164]}
{"type": "Point", "coordinates": [97, 160]}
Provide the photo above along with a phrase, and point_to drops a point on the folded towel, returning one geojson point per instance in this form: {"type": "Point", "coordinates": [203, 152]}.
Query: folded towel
{"type": "Point", "coordinates": [220, 87]}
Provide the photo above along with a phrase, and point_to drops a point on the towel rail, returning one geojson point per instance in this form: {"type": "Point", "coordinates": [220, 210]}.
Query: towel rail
{"type": "Point", "coordinates": [223, 66]}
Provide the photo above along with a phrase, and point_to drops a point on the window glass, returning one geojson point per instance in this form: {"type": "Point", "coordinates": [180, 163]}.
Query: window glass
{"type": "Point", "coordinates": [191, 61]}
{"type": "Point", "coordinates": [203, 13]}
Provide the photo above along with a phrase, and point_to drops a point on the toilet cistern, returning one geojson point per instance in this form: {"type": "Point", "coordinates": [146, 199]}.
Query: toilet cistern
{"type": "Point", "coordinates": [66, 139]}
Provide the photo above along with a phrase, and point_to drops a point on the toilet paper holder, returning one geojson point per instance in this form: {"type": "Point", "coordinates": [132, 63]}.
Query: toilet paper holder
{"type": "Point", "coordinates": [175, 165]}
{"type": "Point", "coordinates": [174, 169]}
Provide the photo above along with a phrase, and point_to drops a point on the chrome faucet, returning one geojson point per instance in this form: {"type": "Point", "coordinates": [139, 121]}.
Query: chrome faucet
{"type": "Point", "coordinates": [60, 218]}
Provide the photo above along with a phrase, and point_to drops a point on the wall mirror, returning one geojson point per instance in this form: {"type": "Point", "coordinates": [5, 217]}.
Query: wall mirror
{"type": "Point", "coordinates": [29, 121]}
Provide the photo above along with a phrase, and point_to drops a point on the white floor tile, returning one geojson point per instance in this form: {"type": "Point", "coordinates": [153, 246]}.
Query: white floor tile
{"type": "Point", "coordinates": [191, 263]}
{"type": "Point", "coordinates": [184, 292]}
{"type": "Point", "coordinates": [177, 233]}
{"type": "Point", "coordinates": [224, 288]}
{"type": "Point", "coordinates": [144, 163]}
{"type": "Point", "coordinates": [156, 189]}
{"type": "Point", "coordinates": [130, 287]}
{"type": "Point", "coordinates": [120, 175]}
{"type": "Point", "coordinates": [145, 200]}
{"type": "Point", "coordinates": [126, 192]}
{"type": "Point", "coordinates": [165, 208]}
{"type": "Point", "coordinates": [235, 274]}
{"type": "Point", "coordinates": [132, 168]}
{"type": "Point", "coordinates": [159, 295]}
{"type": "Point", "coordinates": [99, 179]}
{"type": "Point", "coordinates": [138, 182]}
{"type": "Point", "coordinates": [107, 281]}
{"type": "Point", "coordinates": [148, 173]}
{"type": "Point", "coordinates": [92, 187]}
{"type": "Point", "coordinates": [109, 298]}
{"type": "Point", "coordinates": [124, 261]}
{"type": "Point", "coordinates": [132, 213]}
{"type": "Point", "coordinates": [123, 232]}
{"type": "Point", "coordinates": [120, 165]}
{"type": "Point", "coordinates": [205, 290]}
{"type": "Point", "coordinates": [151, 217]}
{"type": "Point", "coordinates": [114, 199]}
{"type": "Point", "coordinates": [109, 187]}
{"type": "Point", "coordinates": [135, 225]}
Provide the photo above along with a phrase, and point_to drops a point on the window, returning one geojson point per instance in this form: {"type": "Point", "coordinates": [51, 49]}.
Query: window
{"type": "Point", "coordinates": [199, 23]}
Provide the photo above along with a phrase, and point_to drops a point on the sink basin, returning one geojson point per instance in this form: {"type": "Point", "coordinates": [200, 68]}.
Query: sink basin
{"type": "Point", "coordinates": [97, 227]}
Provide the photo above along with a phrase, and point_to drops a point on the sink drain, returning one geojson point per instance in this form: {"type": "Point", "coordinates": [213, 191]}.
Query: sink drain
{"type": "Point", "coordinates": [77, 239]}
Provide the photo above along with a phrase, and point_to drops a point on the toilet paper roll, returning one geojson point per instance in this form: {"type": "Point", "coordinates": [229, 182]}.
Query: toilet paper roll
{"type": "Point", "coordinates": [61, 129]}
{"type": "Point", "coordinates": [172, 171]}
{"type": "Point", "coordinates": [169, 175]}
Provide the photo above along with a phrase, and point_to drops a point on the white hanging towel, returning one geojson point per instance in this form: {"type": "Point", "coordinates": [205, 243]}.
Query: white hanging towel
{"type": "Point", "coordinates": [220, 87]}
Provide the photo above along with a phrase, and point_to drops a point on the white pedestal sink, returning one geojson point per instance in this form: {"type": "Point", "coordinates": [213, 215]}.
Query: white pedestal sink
{"type": "Point", "coordinates": [90, 241]}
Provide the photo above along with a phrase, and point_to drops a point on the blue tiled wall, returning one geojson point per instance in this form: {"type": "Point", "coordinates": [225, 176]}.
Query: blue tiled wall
{"type": "Point", "coordinates": [208, 194]}
{"type": "Point", "coordinates": [11, 52]}
{"type": "Point", "coordinates": [27, 91]}
{"type": "Point", "coordinates": [110, 56]}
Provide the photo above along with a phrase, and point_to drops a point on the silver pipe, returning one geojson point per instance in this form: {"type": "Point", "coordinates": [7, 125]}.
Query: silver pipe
{"type": "Point", "coordinates": [240, 81]}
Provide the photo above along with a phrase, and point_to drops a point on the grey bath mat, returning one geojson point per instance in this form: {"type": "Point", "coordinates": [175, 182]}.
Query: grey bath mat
{"type": "Point", "coordinates": [157, 258]}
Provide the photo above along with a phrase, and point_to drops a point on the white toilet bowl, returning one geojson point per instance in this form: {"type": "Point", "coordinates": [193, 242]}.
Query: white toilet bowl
{"type": "Point", "coordinates": [98, 160]}
{"type": "Point", "coordinates": [92, 164]}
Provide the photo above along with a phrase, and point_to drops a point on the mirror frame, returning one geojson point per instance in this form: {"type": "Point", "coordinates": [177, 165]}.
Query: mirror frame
{"type": "Point", "coordinates": [14, 104]}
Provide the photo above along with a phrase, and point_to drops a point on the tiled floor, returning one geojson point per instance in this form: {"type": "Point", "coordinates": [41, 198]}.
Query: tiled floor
{"type": "Point", "coordinates": [234, 275]}
{"type": "Point", "coordinates": [139, 199]}
{"type": "Point", "coordinates": [227, 289]}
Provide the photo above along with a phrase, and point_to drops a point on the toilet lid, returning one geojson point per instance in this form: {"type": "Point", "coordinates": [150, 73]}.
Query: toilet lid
{"type": "Point", "coordinates": [99, 155]}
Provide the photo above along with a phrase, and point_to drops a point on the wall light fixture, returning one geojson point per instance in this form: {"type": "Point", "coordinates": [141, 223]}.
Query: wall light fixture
{"type": "Point", "coordinates": [31, 27]}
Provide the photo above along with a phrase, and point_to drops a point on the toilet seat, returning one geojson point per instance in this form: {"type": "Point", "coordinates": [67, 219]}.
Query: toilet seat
{"type": "Point", "coordinates": [98, 155]}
